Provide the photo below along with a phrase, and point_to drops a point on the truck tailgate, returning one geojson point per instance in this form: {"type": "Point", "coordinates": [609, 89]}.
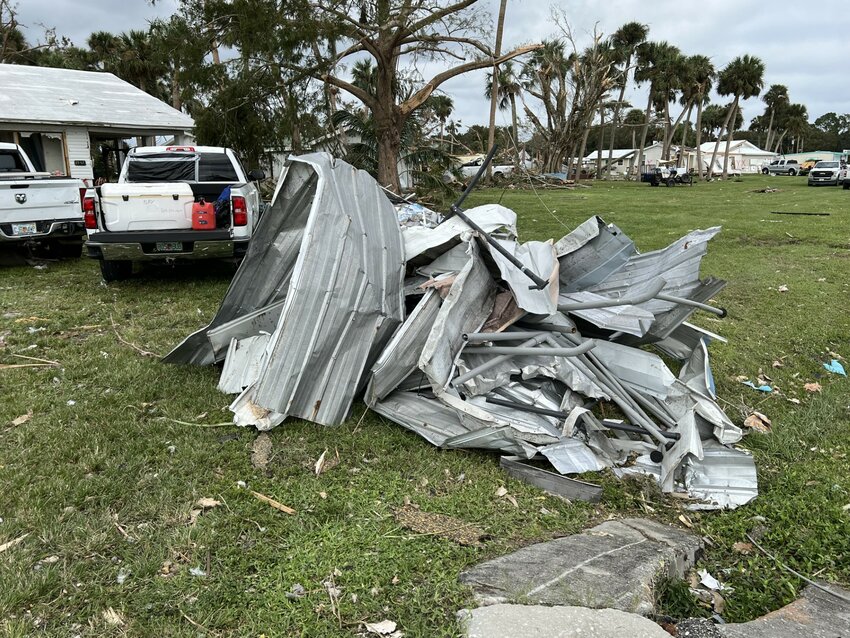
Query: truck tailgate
{"type": "Point", "coordinates": [39, 200]}
{"type": "Point", "coordinates": [131, 207]}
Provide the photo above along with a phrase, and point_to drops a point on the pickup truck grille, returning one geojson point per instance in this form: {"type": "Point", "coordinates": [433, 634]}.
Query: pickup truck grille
{"type": "Point", "coordinates": [822, 173]}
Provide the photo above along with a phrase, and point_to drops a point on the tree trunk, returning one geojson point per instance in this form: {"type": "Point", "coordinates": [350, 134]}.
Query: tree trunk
{"type": "Point", "coordinates": [601, 142]}
{"type": "Point", "coordinates": [615, 120]}
{"type": "Point", "coordinates": [730, 125]}
{"type": "Point", "coordinates": [769, 131]}
{"type": "Point", "coordinates": [580, 157]}
{"type": "Point", "coordinates": [494, 89]}
{"type": "Point", "coordinates": [699, 136]}
{"type": "Point", "coordinates": [516, 130]}
{"type": "Point", "coordinates": [176, 101]}
{"type": "Point", "coordinates": [669, 142]}
{"type": "Point", "coordinates": [644, 131]}
{"type": "Point", "coordinates": [665, 148]}
{"type": "Point", "coordinates": [779, 143]}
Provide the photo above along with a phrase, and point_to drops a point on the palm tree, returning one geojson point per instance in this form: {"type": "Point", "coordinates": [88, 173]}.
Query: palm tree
{"type": "Point", "coordinates": [702, 76]}
{"type": "Point", "coordinates": [508, 87]}
{"type": "Point", "coordinates": [743, 78]}
{"type": "Point", "coordinates": [442, 105]}
{"type": "Point", "coordinates": [494, 98]}
{"type": "Point", "coordinates": [775, 97]}
{"type": "Point", "coordinates": [625, 42]}
{"type": "Point", "coordinates": [654, 59]}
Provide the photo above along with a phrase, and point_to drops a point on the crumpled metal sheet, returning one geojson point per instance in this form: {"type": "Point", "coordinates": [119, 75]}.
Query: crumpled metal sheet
{"type": "Point", "coordinates": [263, 276]}
{"type": "Point", "coordinates": [430, 243]}
{"type": "Point", "coordinates": [632, 320]}
{"type": "Point", "coordinates": [724, 477]}
{"type": "Point", "coordinates": [245, 359]}
{"type": "Point", "coordinates": [591, 253]}
{"type": "Point", "coordinates": [431, 419]}
{"type": "Point", "coordinates": [465, 309]}
{"type": "Point", "coordinates": [572, 456]}
{"type": "Point", "coordinates": [539, 257]}
{"type": "Point", "coordinates": [637, 368]}
{"type": "Point", "coordinates": [399, 358]}
{"type": "Point", "coordinates": [344, 298]}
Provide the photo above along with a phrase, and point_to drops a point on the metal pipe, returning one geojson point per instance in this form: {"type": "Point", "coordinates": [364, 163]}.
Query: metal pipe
{"type": "Point", "coordinates": [720, 312]}
{"type": "Point", "coordinates": [492, 363]}
{"type": "Point", "coordinates": [550, 327]}
{"type": "Point", "coordinates": [483, 337]}
{"type": "Point", "coordinates": [625, 427]}
{"type": "Point", "coordinates": [528, 351]}
{"type": "Point", "coordinates": [539, 282]}
{"type": "Point", "coordinates": [640, 298]}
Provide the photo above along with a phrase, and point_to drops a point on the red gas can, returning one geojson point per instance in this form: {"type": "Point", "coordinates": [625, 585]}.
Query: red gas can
{"type": "Point", "coordinates": [203, 216]}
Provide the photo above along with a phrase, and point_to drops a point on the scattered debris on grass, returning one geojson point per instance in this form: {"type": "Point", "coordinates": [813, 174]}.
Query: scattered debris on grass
{"type": "Point", "coordinates": [782, 288]}
{"type": "Point", "coordinates": [812, 387]}
{"type": "Point", "coordinates": [273, 503]}
{"type": "Point", "coordinates": [141, 351]}
{"type": "Point", "coordinates": [758, 422]}
{"type": "Point", "coordinates": [261, 451]}
{"type": "Point", "coordinates": [10, 544]}
{"type": "Point", "coordinates": [835, 367]}
{"type": "Point", "coordinates": [431, 524]}
{"type": "Point", "coordinates": [383, 628]}
{"type": "Point", "coordinates": [22, 419]}
{"type": "Point", "coordinates": [113, 618]}
{"type": "Point", "coordinates": [459, 332]}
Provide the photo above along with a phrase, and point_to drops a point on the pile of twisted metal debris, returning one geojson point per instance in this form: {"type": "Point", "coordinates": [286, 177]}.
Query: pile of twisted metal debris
{"type": "Point", "coordinates": [458, 332]}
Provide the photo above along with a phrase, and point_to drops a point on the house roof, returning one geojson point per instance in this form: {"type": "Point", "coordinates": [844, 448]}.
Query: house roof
{"type": "Point", "coordinates": [740, 147]}
{"type": "Point", "coordinates": [46, 95]}
{"type": "Point", "coordinates": [619, 153]}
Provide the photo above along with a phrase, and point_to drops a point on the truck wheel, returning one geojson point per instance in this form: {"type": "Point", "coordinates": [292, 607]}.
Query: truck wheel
{"type": "Point", "coordinates": [792, 172]}
{"type": "Point", "coordinates": [687, 179]}
{"type": "Point", "coordinates": [764, 171]}
{"type": "Point", "coordinates": [846, 184]}
{"type": "Point", "coordinates": [115, 270]}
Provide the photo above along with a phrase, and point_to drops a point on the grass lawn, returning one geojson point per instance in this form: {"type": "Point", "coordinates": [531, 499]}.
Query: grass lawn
{"type": "Point", "coordinates": [103, 477]}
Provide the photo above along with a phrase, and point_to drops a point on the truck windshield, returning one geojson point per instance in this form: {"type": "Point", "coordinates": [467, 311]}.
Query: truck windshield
{"type": "Point", "coordinates": [11, 162]}
{"type": "Point", "coordinates": [181, 167]}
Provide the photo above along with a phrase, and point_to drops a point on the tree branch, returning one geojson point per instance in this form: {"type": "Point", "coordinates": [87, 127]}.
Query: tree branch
{"type": "Point", "coordinates": [416, 100]}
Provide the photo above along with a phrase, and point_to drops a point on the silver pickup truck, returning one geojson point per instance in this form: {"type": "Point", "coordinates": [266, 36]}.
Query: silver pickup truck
{"type": "Point", "coordinates": [782, 167]}
{"type": "Point", "coordinates": [39, 208]}
{"type": "Point", "coordinates": [147, 215]}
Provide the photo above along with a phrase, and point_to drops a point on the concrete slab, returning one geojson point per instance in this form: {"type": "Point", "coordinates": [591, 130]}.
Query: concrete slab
{"type": "Point", "coordinates": [613, 565]}
{"type": "Point", "coordinates": [531, 621]}
{"type": "Point", "coordinates": [815, 614]}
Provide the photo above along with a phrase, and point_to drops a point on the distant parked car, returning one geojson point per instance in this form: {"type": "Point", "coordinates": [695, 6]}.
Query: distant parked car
{"type": "Point", "coordinates": [782, 167]}
{"type": "Point", "coordinates": [825, 173]}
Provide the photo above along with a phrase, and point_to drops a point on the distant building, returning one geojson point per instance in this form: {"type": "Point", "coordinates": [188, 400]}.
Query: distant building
{"type": "Point", "coordinates": [72, 121]}
{"type": "Point", "coordinates": [744, 157]}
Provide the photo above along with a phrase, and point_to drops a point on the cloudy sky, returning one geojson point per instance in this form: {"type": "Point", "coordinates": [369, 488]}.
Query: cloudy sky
{"type": "Point", "coordinates": [804, 45]}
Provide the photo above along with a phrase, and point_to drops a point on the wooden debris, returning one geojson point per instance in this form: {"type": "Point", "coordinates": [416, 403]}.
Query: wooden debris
{"type": "Point", "coordinates": [141, 351]}
{"type": "Point", "coordinates": [13, 542]}
{"type": "Point", "coordinates": [430, 524]}
{"type": "Point", "coordinates": [275, 504]}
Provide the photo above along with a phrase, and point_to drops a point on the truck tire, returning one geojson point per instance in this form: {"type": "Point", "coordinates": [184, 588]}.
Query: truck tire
{"type": "Point", "coordinates": [115, 270]}
{"type": "Point", "coordinates": [846, 184]}
{"type": "Point", "coordinates": [764, 171]}
{"type": "Point", "coordinates": [792, 172]}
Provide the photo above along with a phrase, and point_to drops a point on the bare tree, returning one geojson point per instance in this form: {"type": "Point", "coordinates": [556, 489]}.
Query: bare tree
{"type": "Point", "coordinates": [396, 32]}
{"type": "Point", "coordinates": [568, 87]}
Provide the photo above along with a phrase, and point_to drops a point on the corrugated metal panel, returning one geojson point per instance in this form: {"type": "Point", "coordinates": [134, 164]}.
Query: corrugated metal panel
{"type": "Point", "coordinates": [79, 149]}
{"type": "Point", "coordinates": [344, 298]}
{"type": "Point", "coordinates": [45, 95]}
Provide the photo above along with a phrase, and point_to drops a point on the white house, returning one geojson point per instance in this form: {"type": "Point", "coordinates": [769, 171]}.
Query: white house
{"type": "Point", "coordinates": [744, 156]}
{"type": "Point", "coordinates": [624, 159]}
{"type": "Point", "coordinates": [67, 121]}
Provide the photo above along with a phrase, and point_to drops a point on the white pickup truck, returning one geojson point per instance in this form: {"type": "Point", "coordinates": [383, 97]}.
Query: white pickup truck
{"type": "Point", "coordinates": [147, 215]}
{"type": "Point", "coordinates": [39, 208]}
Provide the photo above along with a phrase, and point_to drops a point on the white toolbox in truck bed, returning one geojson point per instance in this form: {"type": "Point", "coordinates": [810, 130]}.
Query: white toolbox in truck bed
{"type": "Point", "coordinates": [158, 206]}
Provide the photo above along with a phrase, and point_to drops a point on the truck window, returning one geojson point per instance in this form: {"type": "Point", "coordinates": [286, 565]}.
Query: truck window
{"type": "Point", "coordinates": [216, 167]}
{"type": "Point", "coordinates": [11, 162]}
{"type": "Point", "coordinates": [161, 167]}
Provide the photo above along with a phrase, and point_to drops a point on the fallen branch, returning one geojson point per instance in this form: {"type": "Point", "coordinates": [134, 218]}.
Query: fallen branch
{"type": "Point", "coordinates": [9, 366]}
{"type": "Point", "coordinates": [13, 542]}
{"type": "Point", "coordinates": [141, 351]}
{"type": "Point", "coordinates": [202, 425]}
{"type": "Point", "coordinates": [45, 361]}
{"type": "Point", "coordinates": [275, 504]}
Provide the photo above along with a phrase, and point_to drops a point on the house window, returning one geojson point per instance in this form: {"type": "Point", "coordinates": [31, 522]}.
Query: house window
{"type": "Point", "coordinates": [619, 162]}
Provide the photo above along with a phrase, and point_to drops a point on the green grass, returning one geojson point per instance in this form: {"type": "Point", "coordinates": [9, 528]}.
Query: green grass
{"type": "Point", "coordinates": [107, 484]}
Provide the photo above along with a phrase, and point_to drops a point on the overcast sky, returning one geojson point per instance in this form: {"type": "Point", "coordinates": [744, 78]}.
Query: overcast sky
{"type": "Point", "coordinates": [804, 45]}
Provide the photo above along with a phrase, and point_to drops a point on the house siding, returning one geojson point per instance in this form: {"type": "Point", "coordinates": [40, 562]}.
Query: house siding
{"type": "Point", "coordinates": [79, 150]}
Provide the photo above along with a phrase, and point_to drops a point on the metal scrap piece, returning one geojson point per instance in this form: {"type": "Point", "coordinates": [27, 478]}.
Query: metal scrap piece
{"type": "Point", "coordinates": [725, 477]}
{"type": "Point", "coordinates": [245, 358]}
{"type": "Point", "coordinates": [555, 484]}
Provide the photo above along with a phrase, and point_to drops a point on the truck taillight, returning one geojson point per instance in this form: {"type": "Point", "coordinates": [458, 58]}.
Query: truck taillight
{"type": "Point", "coordinates": [88, 213]}
{"type": "Point", "coordinates": [240, 211]}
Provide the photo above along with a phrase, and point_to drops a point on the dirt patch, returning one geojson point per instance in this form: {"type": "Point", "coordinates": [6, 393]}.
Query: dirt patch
{"type": "Point", "coordinates": [430, 524]}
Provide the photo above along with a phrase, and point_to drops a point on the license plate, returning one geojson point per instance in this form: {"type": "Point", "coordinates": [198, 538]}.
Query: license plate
{"type": "Point", "coordinates": [169, 246]}
{"type": "Point", "coordinates": [24, 229]}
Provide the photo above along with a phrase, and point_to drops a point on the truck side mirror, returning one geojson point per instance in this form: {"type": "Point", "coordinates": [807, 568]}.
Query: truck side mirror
{"type": "Point", "coordinates": [257, 175]}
